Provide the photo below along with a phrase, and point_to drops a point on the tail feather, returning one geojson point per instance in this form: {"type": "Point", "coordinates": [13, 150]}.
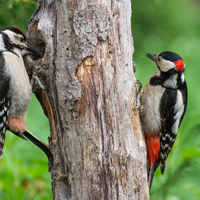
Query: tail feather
{"type": "Point", "coordinates": [17, 134]}
{"type": "Point", "coordinates": [162, 166]}
{"type": "Point", "coordinates": [44, 147]}
{"type": "Point", "coordinates": [151, 171]}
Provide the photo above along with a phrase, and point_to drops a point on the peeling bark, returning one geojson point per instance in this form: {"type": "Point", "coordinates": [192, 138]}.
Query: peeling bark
{"type": "Point", "coordinates": [89, 97]}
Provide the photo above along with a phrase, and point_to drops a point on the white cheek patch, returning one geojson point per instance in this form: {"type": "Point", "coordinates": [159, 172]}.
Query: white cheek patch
{"type": "Point", "coordinates": [10, 33]}
{"type": "Point", "coordinates": [13, 37]}
{"type": "Point", "coordinates": [166, 65]}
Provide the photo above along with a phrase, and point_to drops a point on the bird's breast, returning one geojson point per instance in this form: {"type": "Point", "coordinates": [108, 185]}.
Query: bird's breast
{"type": "Point", "coordinates": [19, 86]}
{"type": "Point", "coordinates": [150, 108]}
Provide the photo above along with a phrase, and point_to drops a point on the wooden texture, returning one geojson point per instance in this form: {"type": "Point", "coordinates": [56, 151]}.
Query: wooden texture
{"type": "Point", "coordinates": [89, 98]}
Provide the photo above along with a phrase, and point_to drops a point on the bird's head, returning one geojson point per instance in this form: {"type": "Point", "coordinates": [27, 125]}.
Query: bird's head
{"type": "Point", "coordinates": [167, 60]}
{"type": "Point", "coordinates": [14, 40]}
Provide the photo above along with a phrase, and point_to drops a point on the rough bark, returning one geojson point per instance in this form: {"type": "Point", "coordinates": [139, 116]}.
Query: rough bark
{"type": "Point", "coordinates": [89, 98]}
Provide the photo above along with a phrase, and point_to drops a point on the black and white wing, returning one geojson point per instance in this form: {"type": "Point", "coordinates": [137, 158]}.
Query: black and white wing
{"type": "Point", "coordinates": [172, 110]}
{"type": "Point", "coordinates": [4, 104]}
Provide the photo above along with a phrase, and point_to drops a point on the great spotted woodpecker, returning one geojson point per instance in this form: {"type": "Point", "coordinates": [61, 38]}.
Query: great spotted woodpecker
{"type": "Point", "coordinates": [15, 87]}
{"type": "Point", "coordinates": [163, 105]}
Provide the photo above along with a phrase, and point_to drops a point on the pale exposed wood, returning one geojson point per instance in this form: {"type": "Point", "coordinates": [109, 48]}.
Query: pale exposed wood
{"type": "Point", "coordinates": [96, 139]}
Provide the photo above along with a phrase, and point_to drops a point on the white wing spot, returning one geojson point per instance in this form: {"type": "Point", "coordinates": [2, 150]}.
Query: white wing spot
{"type": "Point", "coordinates": [178, 109]}
{"type": "Point", "coordinates": [2, 113]}
{"type": "Point", "coordinates": [166, 145]}
{"type": "Point", "coordinates": [1, 124]}
{"type": "Point", "coordinates": [4, 129]}
{"type": "Point", "coordinates": [4, 119]}
{"type": "Point", "coordinates": [162, 156]}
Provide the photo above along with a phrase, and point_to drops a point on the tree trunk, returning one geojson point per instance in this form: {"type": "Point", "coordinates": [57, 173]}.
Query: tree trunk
{"type": "Point", "coordinates": [96, 140]}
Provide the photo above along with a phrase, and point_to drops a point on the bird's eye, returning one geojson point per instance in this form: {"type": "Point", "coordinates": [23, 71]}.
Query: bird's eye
{"type": "Point", "coordinates": [159, 58]}
{"type": "Point", "coordinates": [22, 39]}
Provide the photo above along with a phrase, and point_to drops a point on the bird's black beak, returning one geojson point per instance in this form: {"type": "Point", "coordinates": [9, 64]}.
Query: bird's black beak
{"type": "Point", "coordinates": [29, 51]}
{"type": "Point", "coordinates": [151, 56]}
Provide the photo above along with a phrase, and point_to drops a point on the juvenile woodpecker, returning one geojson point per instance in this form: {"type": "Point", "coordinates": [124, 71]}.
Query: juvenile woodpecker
{"type": "Point", "coordinates": [15, 87]}
{"type": "Point", "coordinates": [163, 105]}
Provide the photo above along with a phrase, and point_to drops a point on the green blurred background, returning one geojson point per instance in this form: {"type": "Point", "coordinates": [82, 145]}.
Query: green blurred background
{"type": "Point", "coordinates": [157, 26]}
{"type": "Point", "coordinates": [175, 26]}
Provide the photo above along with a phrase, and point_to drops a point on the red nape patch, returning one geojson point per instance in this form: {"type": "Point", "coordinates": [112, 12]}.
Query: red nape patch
{"type": "Point", "coordinates": [20, 31]}
{"type": "Point", "coordinates": [153, 148]}
{"type": "Point", "coordinates": [180, 65]}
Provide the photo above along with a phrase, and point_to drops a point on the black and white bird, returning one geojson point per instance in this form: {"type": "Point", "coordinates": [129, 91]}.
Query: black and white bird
{"type": "Point", "coordinates": [163, 105]}
{"type": "Point", "coordinates": [15, 87]}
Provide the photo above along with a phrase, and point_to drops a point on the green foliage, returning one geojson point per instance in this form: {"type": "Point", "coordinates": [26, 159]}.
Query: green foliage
{"type": "Point", "coordinates": [173, 26]}
{"type": "Point", "coordinates": [16, 12]}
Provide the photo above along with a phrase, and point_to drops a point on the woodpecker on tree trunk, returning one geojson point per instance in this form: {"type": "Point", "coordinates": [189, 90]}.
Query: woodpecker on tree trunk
{"type": "Point", "coordinates": [163, 105]}
{"type": "Point", "coordinates": [15, 87]}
